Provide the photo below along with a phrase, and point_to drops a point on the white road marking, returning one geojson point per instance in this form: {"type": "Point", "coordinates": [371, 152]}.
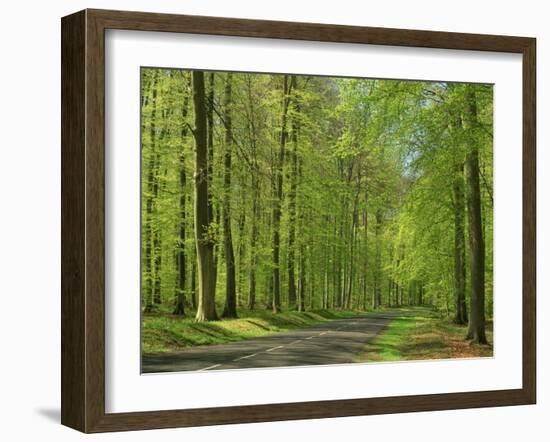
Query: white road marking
{"type": "Point", "coordinates": [294, 342]}
{"type": "Point", "coordinates": [311, 337]}
{"type": "Point", "coordinates": [208, 368]}
{"type": "Point", "coordinates": [245, 357]}
{"type": "Point", "coordinates": [274, 348]}
{"type": "Point", "coordinates": [324, 333]}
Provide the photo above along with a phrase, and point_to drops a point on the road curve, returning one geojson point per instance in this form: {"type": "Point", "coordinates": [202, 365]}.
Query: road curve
{"type": "Point", "coordinates": [334, 342]}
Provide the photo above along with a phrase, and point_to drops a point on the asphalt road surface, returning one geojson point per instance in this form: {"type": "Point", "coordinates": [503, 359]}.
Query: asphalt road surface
{"type": "Point", "coordinates": [334, 342]}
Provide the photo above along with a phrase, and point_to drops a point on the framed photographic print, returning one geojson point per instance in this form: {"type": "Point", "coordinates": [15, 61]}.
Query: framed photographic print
{"type": "Point", "coordinates": [268, 220]}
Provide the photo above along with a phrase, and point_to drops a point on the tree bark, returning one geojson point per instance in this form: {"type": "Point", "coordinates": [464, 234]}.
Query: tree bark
{"type": "Point", "coordinates": [181, 258]}
{"type": "Point", "coordinates": [292, 216]}
{"type": "Point", "coordinates": [377, 292]}
{"type": "Point", "coordinates": [230, 309]}
{"type": "Point", "coordinates": [476, 328]}
{"type": "Point", "coordinates": [278, 197]}
{"type": "Point", "coordinates": [213, 212]}
{"type": "Point", "coordinates": [461, 314]}
{"type": "Point", "coordinates": [206, 309]}
{"type": "Point", "coordinates": [302, 281]}
{"type": "Point", "coordinates": [253, 241]}
{"type": "Point", "coordinates": [148, 224]}
{"type": "Point", "coordinates": [182, 268]}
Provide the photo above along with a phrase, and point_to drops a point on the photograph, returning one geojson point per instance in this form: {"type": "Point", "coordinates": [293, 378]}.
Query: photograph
{"type": "Point", "coordinates": [294, 220]}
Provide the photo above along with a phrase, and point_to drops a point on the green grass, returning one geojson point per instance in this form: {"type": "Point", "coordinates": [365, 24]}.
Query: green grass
{"type": "Point", "coordinates": [163, 332]}
{"type": "Point", "coordinates": [423, 335]}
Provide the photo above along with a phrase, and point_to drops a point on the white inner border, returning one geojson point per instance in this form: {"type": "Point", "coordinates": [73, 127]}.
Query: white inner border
{"type": "Point", "coordinates": [127, 390]}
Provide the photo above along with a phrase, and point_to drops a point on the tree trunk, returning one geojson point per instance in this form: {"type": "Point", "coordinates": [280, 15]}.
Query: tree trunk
{"type": "Point", "coordinates": [182, 268]}
{"type": "Point", "coordinates": [181, 259]}
{"type": "Point", "coordinates": [278, 197]}
{"type": "Point", "coordinates": [292, 216]}
{"type": "Point", "coordinates": [194, 281]}
{"type": "Point", "coordinates": [461, 315]}
{"type": "Point", "coordinates": [214, 225]}
{"type": "Point", "coordinates": [241, 252]}
{"type": "Point", "coordinates": [253, 241]}
{"type": "Point", "coordinates": [476, 328]}
{"type": "Point", "coordinates": [148, 224]}
{"type": "Point", "coordinates": [206, 309]}
{"type": "Point", "coordinates": [230, 309]}
{"type": "Point", "coordinates": [302, 281]}
{"type": "Point", "coordinates": [377, 292]}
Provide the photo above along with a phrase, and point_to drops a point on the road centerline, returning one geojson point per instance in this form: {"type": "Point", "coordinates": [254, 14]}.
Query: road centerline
{"type": "Point", "coordinates": [245, 357]}
{"type": "Point", "coordinates": [208, 368]}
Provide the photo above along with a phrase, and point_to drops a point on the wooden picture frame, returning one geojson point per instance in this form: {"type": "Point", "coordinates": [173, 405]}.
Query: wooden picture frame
{"type": "Point", "coordinates": [83, 220]}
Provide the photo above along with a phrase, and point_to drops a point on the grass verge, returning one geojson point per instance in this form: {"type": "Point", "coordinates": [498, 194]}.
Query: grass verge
{"type": "Point", "coordinates": [161, 332]}
{"type": "Point", "coordinates": [421, 336]}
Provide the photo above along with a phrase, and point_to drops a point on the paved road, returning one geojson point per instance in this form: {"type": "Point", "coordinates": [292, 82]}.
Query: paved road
{"type": "Point", "coordinates": [334, 342]}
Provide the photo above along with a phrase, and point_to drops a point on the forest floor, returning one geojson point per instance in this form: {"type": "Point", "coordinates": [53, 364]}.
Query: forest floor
{"type": "Point", "coordinates": [162, 332]}
{"type": "Point", "coordinates": [424, 335]}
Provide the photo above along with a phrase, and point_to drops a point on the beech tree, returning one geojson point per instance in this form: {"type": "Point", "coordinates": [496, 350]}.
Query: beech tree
{"type": "Point", "coordinates": [206, 308]}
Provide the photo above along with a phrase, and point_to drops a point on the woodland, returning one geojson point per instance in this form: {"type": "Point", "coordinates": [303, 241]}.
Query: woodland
{"type": "Point", "coordinates": [280, 192]}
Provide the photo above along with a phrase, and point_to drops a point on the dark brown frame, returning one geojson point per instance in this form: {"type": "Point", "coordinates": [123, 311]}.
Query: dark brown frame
{"type": "Point", "coordinates": [83, 215]}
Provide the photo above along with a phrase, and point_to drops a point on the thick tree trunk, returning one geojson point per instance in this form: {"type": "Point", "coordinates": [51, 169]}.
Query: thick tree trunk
{"type": "Point", "coordinates": [476, 328]}
{"type": "Point", "coordinates": [206, 309]}
{"type": "Point", "coordinates": [230, 309]}
{"type": "Point", "coordinates": [461, 315]}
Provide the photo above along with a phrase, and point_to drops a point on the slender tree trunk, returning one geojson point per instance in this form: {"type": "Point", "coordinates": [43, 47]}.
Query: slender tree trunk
{"type": "Point", "coordinates": [302, 281]}
{"type": "Point", "coordinates": [230, 309]}
{"type": "Point", "coordinates": [241, 252]}
{"type": "Point", "coordinates": [461, 315]}
{"type": "Point", "coordinates": [182, 268]}
{"type": "Point", "coordinates": [365, 251]}
{"type": "Point", "coordinates": [476, 328]}
{"type": "Point", "coordinates": [159, 183]}
{"type": "Point", "coordinates": [181, 258]}
{"type": "Point", "coordinates": [292, 216]}
{"type": "Point", "coordinates": [302, 249]}
{"type": "Point", "coordinates": [253, 241]}
{"type": "Point", "coordinates": [148, 224]}
{"type": "Point", "coordinates": [157, 263]}
{"type": "Point", "coordinates": [278, 197]}
{"type": "Point", "coordinates": [377, 293]}
{"type": "Point", "coordinates": [194, 281]}
{"type": "Point", "coordinates": [255, 183]}
{"type": "Point", "coordinates": [206, 309]}
{"type": "Point", "coordinates": [213, 212]}
{"type": "Point", "coordinates": [352, 239]}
